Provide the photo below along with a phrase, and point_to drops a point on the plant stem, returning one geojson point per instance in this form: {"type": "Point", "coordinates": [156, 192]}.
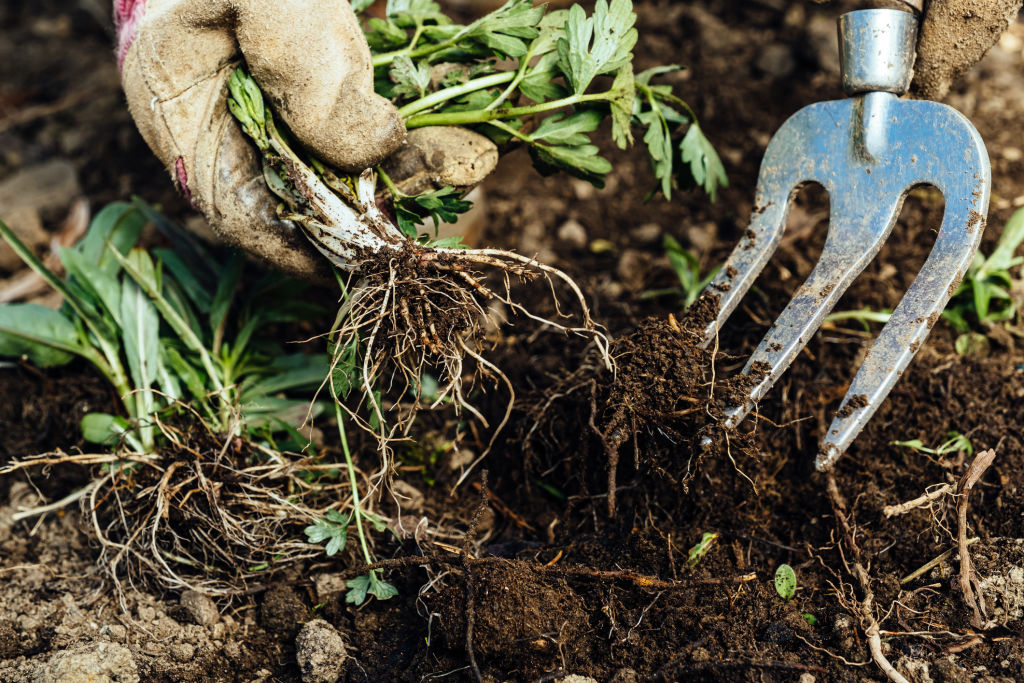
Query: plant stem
{"type": "Point", "coordinates": [463, 118]}
{"type": "Point", "coordinates": [357, 509]}
{"type": "Point", "coordinates": [396, 194]}
{"type": "Point", "coordinates": [442, 96]}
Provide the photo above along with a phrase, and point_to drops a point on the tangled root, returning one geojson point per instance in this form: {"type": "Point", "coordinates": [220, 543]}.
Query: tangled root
{"type": "Point", "coordinates": [219, 515]}
{"type": "Point", "coordinates": [415, 310]}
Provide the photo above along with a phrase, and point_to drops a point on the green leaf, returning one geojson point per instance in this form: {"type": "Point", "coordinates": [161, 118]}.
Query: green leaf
{"type": "Point", "coordinates": [572, 130]}
{"type": "Point", "coordinates": [140, 335]}
{"type": "Point", "coordinates": [185, 276]}
{"type": "Point", "coordinates": [369, 584]}
{"type": "Point", "coordinates": [785, 581]}
{"type": "Point", "coordinates": [971, 344]}
{"type": "Point", "coordinates": [41, 334]}
{"type": "Point", "coordinates": [359, 6]}
{"type": "Point", "coordinates": [540, 83]}
{"type": "Point", "coordinates": [509, 29]}
{"type": "Point", "coordinates": [583, 162]}
{"type": "Point", "coordinates": [622, 103]}
{"type": "Point", "coordinates": [116, 226]}
{"type": "Point", "coordinates": [382, 590]}
{"type": "Point", "coordinates": [104, 429]}
{"type": "Point", "coordinates": [596, 45]}
{"type": "Point", "coordinates": [383, 35]}
{"type": "Point", "coordinates": [99, 284]}
{"type": "Point", "coordinates": [411, 80]}
{"type": "Point", "coordinates": [333, 529]}
{"type": "Point", "coordinates": [358, 588]}
{"type": "Point", "coordinates": [75, 297]}
{"type": "Point", "coordinates": [810, 618]}
{"type": "Point", "coordinates": [705, 166]}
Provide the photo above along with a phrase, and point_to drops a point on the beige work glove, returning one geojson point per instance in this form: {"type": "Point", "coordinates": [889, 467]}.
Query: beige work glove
{"type": "Point", "coordinates": [311, 61]}
{"type": "Point", "coordinates": [955, 35]}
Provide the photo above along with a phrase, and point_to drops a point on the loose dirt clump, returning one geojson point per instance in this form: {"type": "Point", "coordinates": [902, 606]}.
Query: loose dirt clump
{"type": "Point", "coordinates": [664, 398]}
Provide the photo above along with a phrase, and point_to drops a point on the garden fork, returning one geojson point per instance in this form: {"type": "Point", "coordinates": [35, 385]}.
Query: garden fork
{"type": "Point", "coordinates": [868, 152]}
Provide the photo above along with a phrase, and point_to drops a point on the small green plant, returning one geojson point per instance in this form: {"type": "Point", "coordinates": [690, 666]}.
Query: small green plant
{"type": "Point", "coordinates": [687, 269]}
{"type": "Point", "coordinates": [698, 551]}
{"type": "Point", "coordinates": [148, 323]}
{"type": "Point", "coordinates": [535, 76]}
{"type": "Point", "coordinates": [954, 443]}
{"type": "Point", "coordinates": [785, 581]}
{"type": "Point", "coordinates": [864, 316]}
{"type": "Point", "coordinates": [984, 295]}
{"type": "Point", "coordinates": [809, 618]}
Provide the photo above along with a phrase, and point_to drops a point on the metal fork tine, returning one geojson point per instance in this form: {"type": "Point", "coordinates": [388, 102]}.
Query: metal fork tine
{"type": "Point", "coordinates": [910, 322]}
{"type": "Point", "coordinates": [847, 251]}
{"type": "Point", "coordinates": [777, 184]}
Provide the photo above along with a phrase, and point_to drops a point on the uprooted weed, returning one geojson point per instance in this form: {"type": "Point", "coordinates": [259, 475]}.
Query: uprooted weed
{"type": "Point", "coordinates": [663, 402]}
{"type": "Point", "coordinates": [208, 512]}
{"type": "Point", "coordinates": [422, 310]}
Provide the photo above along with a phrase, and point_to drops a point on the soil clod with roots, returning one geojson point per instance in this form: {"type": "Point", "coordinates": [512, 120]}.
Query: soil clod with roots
{"type": "Point", "coordinates": [663, 402]}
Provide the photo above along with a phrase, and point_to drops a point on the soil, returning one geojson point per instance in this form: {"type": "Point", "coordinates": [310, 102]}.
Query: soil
{"type": "Point", "coordinates": [526, 576]}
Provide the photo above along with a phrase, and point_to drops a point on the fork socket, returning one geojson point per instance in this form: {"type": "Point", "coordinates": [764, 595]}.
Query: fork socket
{"type": "Point", "coordinates": [877, 50]}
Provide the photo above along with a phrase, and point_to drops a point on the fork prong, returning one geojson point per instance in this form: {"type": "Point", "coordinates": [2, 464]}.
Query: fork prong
{"type": "Point", "coordinates": [909, 324]}
{"type": "Point", "coordinates": [856, 233]}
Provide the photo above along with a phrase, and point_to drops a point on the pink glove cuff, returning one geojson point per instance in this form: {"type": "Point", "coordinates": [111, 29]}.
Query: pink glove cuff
{"type": "Point", "coordinates": [127, 14]}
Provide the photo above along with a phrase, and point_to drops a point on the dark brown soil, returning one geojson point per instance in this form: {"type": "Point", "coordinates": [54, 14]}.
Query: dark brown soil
{"type": "Point", "coordinates": [555, 585]}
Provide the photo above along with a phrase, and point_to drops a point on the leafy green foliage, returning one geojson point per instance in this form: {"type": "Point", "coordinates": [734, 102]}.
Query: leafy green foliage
{"type": "Point", "coordinates": [698, 551]}
{"type": "Point", "coordinates": [411, 80]}
{"type": "Point", "coordinates": [984, 296]}
{"type": "Point", "coordinates": [785, 581]}
{"type": "Point", "coordinates": [368, 584]}
{"type": "Point", "coordinates": [333, 528]}
{"type": "Point", "coordinates": [149, 325]}
{"type": "Point", "coordinates": [522, 68]}
{"type": "Point", "coordinates": [439, 206]}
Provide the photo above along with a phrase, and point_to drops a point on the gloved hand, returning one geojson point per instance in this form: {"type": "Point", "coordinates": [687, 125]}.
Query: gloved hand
{"type": "Point", "coordinates": [311, 61]}
{"type": "Point", "coordinates": [954, 35]}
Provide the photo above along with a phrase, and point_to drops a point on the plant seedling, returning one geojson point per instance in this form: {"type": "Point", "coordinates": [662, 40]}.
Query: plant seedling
{"type": "Point", "coordinates": [698, 551]}
{"type": "Point", "coordinates": [687, 269]}
{"type": "Point", "coordinates": [954, 443]}
{"type": "Point", "coordinates": [984, 295]}
{"type": "Point", "coordinates": [785, 581]}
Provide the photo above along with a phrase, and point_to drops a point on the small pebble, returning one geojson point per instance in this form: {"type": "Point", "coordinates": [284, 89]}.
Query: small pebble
{"type": "Point", "coordinates": [183, 652]}
{"type": "Point", "coordinates": [573, 234]}
{"type": "Point", "coordinates": [320, 652]}
{"type": "Point", "coordinates": [200, 607]}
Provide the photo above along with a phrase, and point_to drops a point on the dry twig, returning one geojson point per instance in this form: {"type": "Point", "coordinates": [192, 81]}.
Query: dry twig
{"type": "Point", "coordinates": [968, 579]}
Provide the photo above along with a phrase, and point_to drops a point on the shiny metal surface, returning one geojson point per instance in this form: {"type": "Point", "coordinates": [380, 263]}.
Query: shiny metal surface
{"type": "Point", "coordinates": [877, 50]}
{"type": "Point", "coordinates": [868, 152]}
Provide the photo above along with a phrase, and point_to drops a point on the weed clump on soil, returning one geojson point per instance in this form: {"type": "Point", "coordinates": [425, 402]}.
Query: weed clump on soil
{"type": "Point", "coordinates": [663, 401]}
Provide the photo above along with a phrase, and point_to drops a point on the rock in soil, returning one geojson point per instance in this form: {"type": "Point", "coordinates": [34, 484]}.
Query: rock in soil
{"type": "Point", "coordinates": [320, 651]}
{"type": "Point", "coordinates": [92, 663]}
{"type": "Point", "coordinates": [200, 608]}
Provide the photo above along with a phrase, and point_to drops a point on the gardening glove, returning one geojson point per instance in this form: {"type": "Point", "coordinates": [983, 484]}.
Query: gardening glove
{"type": "Point", "coordinates": [954, 36]}
{"type": "Point", "coordinates": [313, 64]}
